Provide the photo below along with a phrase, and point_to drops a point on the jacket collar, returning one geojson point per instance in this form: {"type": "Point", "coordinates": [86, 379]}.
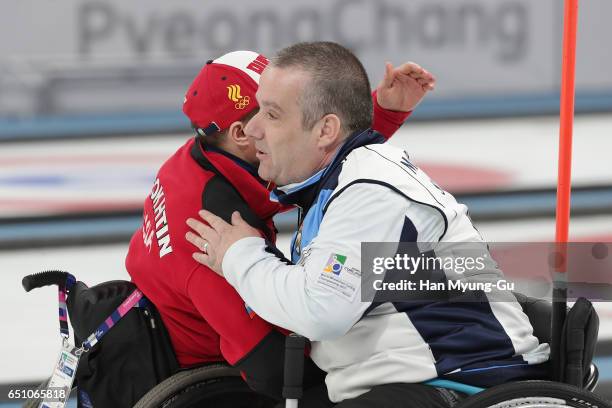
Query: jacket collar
{"type": "Point", "coordinates": [237, 160]}
{"type": "Point", "coordinates": [240, 174]}
{"type": "Point", "coordinates": [305, 192]}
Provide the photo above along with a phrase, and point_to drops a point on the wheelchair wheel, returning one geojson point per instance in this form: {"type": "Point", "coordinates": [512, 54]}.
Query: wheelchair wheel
{"type": "Point", "coordinates": [534, 394]}
{"type": "Point", "coordinates": [212, 386]}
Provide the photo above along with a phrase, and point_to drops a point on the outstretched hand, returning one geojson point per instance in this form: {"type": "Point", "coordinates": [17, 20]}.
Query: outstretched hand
{"type": "Point", "coordinates": [402, 88]}
{"type": "Point", "coordinates": [213, 240]}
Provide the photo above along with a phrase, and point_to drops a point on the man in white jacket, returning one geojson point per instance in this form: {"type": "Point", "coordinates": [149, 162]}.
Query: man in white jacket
{"type": "Point", "coordinates": [313, 141]}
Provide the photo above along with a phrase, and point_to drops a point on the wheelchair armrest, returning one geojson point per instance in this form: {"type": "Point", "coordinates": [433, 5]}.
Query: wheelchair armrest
{"type": "Point", "coordinates": [582, 317]}
{"type": "Point", "coordinates": [539, 312]}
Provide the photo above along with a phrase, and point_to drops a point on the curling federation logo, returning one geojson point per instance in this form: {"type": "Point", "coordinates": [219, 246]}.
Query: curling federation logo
{"type": "Point", "coordinates": [335, 264]}
{"type": "Point", "coordinates": [233, 94]}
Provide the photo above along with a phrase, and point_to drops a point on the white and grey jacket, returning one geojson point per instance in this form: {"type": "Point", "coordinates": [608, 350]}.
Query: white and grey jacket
{"type": "Point", "coordinates": [372, 192]}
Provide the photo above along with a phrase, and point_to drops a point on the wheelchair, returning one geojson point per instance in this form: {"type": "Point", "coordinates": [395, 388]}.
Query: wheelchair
{"type": "Point", "coordinates": [215, 385]}
{"type": "Point", "coordinates": [219, 385]}
{"type": "Point", "coordinates": [527, 394]}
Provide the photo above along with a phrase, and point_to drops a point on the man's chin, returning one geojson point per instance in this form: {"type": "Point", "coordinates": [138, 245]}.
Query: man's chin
{"type": "Point", "coordinates": [263, 174]}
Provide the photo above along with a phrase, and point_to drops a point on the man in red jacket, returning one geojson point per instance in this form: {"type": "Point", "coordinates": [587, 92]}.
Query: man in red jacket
{"type": "Point", "coordinates": [206, 319]}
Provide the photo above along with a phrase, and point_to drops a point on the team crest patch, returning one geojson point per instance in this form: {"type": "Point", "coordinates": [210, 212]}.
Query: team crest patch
{"type": "Point", "coordinates": [335, 264]}
{"type": "Point", "coordinates": [233, 94]}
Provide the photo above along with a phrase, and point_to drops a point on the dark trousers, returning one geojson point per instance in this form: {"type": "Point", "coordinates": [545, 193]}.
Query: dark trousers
{"type": "Point", "coordinates": [383, 396]}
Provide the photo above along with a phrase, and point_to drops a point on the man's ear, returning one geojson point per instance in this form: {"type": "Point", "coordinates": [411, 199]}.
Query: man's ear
{"type": "Point", "coordinates": [236, 134]}
{"type": "Point", "coordinates": [329, 129]}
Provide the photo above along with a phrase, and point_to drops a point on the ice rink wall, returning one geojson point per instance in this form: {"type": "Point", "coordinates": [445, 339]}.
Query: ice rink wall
{"type": "Point", "coordinates": [99, 67]}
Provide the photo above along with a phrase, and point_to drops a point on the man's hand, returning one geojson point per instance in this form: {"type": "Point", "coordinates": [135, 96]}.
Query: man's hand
{"type": "Point", "coordinates": [404, 87]}
{"type": "Point", "coordinates": [214, 239]}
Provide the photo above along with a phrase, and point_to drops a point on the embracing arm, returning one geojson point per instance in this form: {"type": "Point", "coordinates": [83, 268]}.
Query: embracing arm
{"type": "Point", "coordinates": [315, 298]}
{"type": "Point", "coordinates": [246, 341]}
{"type": "Point", "coordinates": [398, 94]}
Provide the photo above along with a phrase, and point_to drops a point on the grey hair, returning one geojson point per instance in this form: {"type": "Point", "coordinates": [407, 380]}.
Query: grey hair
{"type": "Point", "coordinates": [338, 84]}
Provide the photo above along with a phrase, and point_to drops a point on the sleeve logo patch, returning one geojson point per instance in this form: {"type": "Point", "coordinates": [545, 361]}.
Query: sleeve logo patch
{"type": "Point", "coordinates": [335, 263]}
{"type": "Point", "coordinates": [339, 278]}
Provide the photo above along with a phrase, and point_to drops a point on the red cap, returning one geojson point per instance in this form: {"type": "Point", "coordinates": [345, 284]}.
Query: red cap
{"type": "Point", "coordinates": [224, 91]}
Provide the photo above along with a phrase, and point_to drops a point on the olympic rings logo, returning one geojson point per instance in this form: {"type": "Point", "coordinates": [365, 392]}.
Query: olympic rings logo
{"type": "Point", "coordinates": [233, 94]}
{"type": "Point", "coordinates": [243, 103]}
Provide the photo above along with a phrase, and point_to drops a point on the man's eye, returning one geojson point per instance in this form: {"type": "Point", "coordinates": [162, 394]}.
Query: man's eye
{"type": "Point", "coordinates": [270, 115]}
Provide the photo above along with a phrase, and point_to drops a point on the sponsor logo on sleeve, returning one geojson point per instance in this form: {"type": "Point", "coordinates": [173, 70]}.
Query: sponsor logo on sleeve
{"type": "Point", "coordinates": [339, 278]}
{"type": "Point", "coordinates": [335, 264]}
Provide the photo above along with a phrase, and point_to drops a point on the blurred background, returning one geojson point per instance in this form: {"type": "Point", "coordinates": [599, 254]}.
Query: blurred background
{"type": "Point", "coordinates": [90, 106]}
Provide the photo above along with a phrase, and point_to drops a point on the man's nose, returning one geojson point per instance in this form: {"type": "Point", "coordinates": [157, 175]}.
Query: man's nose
{"type": "Point", "coordinates": [252, 128]}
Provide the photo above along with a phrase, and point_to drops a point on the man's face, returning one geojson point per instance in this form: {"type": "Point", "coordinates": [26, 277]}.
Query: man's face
{"type": "Point", "coordinates": [250, 154]}
{"type": "Point", "coordinates": [287, 153]}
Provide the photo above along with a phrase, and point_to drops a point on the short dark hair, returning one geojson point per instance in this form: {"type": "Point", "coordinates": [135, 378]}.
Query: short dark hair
{"type": "Point", "coordinates": [339, 84]}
